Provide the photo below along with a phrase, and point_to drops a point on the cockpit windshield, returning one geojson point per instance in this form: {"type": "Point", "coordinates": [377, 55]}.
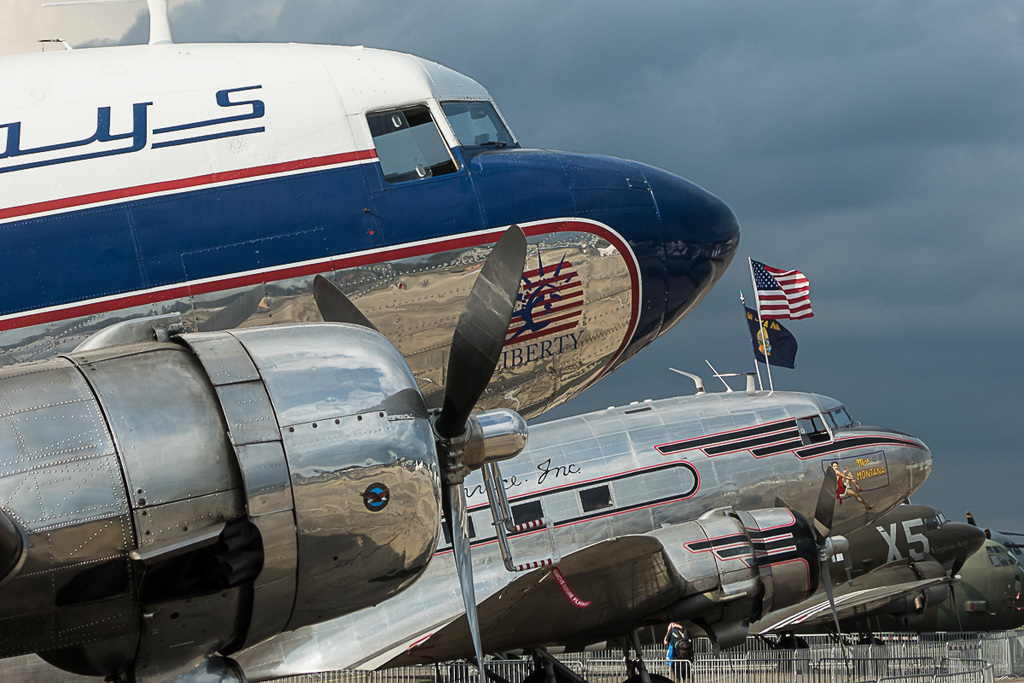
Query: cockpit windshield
{"type": "Point", "coordinates": [839, 418]}
{"type": "Point", "coordinates": [477, 124]}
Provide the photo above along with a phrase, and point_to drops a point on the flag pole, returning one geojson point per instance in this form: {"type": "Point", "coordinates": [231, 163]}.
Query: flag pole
{"type": "Point", "coordinates": [760, 324]}
{"type": "Point", "coordinates": [757, 368]}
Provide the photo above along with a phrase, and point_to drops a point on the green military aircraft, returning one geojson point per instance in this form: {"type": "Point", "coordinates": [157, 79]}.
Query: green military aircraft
{"type": "Point", "coordinates": [900, 573]}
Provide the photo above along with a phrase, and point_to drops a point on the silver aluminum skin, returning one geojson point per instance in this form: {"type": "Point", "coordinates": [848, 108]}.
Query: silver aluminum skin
{"type": "Point", "coordinates": [656, 496]}
{"type": "Point", "coordinates": [115, 460]}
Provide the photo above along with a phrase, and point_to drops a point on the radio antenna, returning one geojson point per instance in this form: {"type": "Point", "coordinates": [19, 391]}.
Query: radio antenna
{"type": "Point", "coordinates": [159, 25]}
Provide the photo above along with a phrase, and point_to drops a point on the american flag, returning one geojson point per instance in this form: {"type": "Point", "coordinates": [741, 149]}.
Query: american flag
{"type": "Point", "coordinates": [781, 294]}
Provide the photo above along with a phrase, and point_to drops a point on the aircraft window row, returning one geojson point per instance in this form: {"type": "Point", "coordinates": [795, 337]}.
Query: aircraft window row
{"type": "Point", "coordinates": [629, 491]}
{"type": "Point", "coordinates": [477, 124]}
{"type": "Point", "coordinates": [999, 557]}
{"type": "Point", "coordinates": [409, 144]}
{"type": "Point", "coordinates": [812, 430]}
{"type": "Point", "coordinates": [596, 498]}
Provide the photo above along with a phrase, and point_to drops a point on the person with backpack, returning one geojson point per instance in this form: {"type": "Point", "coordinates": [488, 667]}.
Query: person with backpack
{"type": "Point", "coordinates": [679, 654]}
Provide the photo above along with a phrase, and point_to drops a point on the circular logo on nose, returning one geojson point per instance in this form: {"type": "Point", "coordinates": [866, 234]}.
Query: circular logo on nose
{"type": "Point", "coordinates": [376, 497]}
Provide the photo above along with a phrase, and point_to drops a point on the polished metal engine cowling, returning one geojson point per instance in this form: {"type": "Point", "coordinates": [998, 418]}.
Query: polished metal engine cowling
{"type": "Point", "coordinates": [740, 565]}
{"type": "Point", "coordinates": [360, 455]}
{"type": "Point", "coordinates": [176, 499]}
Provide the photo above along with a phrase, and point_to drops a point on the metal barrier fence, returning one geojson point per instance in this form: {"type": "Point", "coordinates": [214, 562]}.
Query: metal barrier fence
{"type": "Point", "coordinates": [889, 658]}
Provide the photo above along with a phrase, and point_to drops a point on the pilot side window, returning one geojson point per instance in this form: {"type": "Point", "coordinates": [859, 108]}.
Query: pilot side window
{"type": "Point", "coordinates": [409, 145]}
{"type": "Point", "coordinates": [527, 512]}
{"type": "Point", "coordinates": [812, 430]}
{"type": "Point", "coordinates": [840, 417]}
{"type": "Point", "coordinates": [477, 124]}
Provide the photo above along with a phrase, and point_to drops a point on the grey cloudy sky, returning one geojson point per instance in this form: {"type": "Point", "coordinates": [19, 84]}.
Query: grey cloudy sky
{"type": "Point", "coordinates": [877, 146]}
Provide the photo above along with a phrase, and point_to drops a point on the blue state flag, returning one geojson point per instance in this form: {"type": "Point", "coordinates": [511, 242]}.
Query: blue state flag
{"type": "Point", "coordinates": [771, 341]}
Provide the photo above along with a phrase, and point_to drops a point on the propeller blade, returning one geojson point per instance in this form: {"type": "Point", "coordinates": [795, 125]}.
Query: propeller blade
{"type": "Point", "coordinates": [953, 604]}
{"type": "Point", "coordinates": [334, 306]}
{"type": "Point", "coordinates": [826, 576]}
{"type": "Point", "coordinates": [825, 551]}
{"type": "Point", "coordinates": [480, 333]}
{"type": "Point", "coordinates": [826, 506]}
{"type": "Point", "coordinates": [455, 514]}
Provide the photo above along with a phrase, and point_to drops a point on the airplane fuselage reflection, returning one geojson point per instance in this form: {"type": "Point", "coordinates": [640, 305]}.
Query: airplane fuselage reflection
{"type": "Point", "coordinates": [215, 181]}
{"type": "Point", "coordinates": [644, 470]}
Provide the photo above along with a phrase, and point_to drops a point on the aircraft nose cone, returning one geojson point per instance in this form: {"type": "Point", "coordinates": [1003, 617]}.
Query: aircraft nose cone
{"type": "Point", "coordinates": [701, 234]}
{"type": "Point", "coordinates": [920, 463]}
{"type": "Point", "coordinates": [974, 538]}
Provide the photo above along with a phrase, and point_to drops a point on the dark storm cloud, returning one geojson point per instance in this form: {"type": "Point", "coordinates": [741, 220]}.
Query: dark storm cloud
{"type": "Point", "coordinates": [877, 146]}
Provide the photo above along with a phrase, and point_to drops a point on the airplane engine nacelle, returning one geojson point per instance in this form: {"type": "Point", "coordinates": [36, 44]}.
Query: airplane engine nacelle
{"type": "Point", "coordinates": [740, 565]}
{"type": "Point", "coordinates": [918, 601]}
{"type": "Point", "coordinates": [177, 499]}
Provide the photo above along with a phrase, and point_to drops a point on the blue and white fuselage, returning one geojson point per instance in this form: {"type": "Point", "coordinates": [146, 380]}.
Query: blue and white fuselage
{"type": "Point", "coordinates": [215, 181]}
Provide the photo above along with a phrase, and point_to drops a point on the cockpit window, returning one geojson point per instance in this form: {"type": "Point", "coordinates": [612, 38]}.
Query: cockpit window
{"type": "Point", "coordinates": [932, 523]}
{"type": "Point", "coordinates": [840, 418]}
{"type": "Point", "coordinates": [999, 557]}
{"type": "Point", "coordinates": [476, 124]}
{"type": "Point", "coordinates": [812, 430]}
{"type": "Point", "coordinates": [409, 145]}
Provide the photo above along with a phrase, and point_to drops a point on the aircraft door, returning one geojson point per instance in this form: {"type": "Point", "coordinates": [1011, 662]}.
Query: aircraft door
{"type": "Point", "coordinates": [418, 188]}
{"type": "Point", "coordinates": [419, 192]}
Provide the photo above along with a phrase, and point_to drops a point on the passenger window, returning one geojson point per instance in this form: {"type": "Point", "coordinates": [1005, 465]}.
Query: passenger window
{"type": "Point", "coordinates": [477, 124]}
{"type": "Point", "coordinates": [596, 498]}
{"type": "Point", "coordinates": [527, 512]}
{"type": "Point", "coordinates": [812, 430]}
{"type": "Point", "coordinates": [469, 527]}
{"type": "Point", "coordinates": [409, 145]}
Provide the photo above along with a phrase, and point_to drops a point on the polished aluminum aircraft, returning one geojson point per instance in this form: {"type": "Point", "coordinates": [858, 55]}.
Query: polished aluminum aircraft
{"type": "Point", "coordinates": [658, 511]}
{"type": "Point", "coordinates": [185, 447]}
{"type": "Point", "coordinates": [211, 183]}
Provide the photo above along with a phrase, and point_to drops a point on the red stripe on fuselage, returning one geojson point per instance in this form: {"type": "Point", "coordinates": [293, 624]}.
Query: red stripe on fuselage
{"type": "Point", "coordinates": [180, 291]}
{"type": "Point", "coordinates": [185, 183]}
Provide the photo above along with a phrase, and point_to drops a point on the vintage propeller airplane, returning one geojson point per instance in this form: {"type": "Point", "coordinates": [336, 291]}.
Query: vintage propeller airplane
{"type": "Point", "coordinates": [988, 597]}
{"type": "Point", "coordinates": [1008, 539]}
{"type": "Point", "coordinates": [715, 508]}
{"type": "Point", "coordinates": [176, 223]}
{"type": "Point", "coordinates": [900, 565]}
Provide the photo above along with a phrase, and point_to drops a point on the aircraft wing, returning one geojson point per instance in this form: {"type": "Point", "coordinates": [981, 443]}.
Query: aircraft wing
{"type": "Point", "coordinates": [881, 588]}
{"type": "Point", "coordinates": [606, 584]}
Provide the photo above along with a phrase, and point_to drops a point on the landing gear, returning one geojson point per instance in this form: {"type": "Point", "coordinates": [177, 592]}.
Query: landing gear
{"type": "Point", "coordinates": [636, 669]}
{"type": "Point", "coordinates": [654, 678]}
{"type": "Point", "coordinates": [548, 669]}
